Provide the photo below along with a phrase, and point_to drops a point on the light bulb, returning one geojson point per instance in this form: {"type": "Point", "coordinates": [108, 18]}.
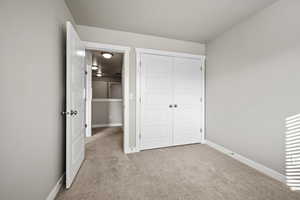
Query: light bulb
{"type": "Point", "coordinates": [94, 67]}
{"type": "Point", "coordinates": [107, 55]}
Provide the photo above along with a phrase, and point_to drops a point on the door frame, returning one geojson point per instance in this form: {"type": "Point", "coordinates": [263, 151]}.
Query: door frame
{"type": "Point", "coordinates": [139, 52]}
{"type": "Point", "coordinates": [125, 84]}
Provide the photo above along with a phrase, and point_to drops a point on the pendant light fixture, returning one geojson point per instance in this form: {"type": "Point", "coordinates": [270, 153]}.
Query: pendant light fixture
{"type": "Point", "coordinates": [99, 72]}
{"type": "Point", "coordinates": [94, 63]}
{"type": "Point", "coordinates": [95, 67]}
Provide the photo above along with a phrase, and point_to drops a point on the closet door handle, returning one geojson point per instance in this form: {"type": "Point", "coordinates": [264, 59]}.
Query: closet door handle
{"type": "Point", "coordinates": [175, 105]}
{"type": "Point", "coordinates": [170, 106]}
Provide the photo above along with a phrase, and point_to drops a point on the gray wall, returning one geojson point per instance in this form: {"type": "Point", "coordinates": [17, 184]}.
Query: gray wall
{"type": "Point", "coordinates": [100, 89]}
{"type": "Point", "coordinates": [253, 83]}
{"type": "Point", "coordinates": [141, 41]}
{"type": "Point", "coordinates": [32, 71]}
{"type": "Point", "coordinates": [116, 90]}
{"type": "Point", "coordinates": [107, 113]}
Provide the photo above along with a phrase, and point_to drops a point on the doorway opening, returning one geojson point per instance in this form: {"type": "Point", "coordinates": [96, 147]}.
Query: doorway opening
{"type": "Point", "coordinates": [107, 91]}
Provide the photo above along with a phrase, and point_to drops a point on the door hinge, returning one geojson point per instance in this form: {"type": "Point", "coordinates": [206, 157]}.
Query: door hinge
{"type": "Point", "coordinates": [140, 136]}
{"type": "Point", "coordinates": [140, 99]}
{"type": "Point", "coordinates": [201, 100]}
{"type": "Point", "coordinates": [85, 72]}
{"type": "Point", "coordinates": [201, 69]}
{"type": "Point", "coordinates": [140, 65]}
{"type": "Point", "coordinates": [201, 130]}
{"type": "Point", "coordinates": [85, 125]}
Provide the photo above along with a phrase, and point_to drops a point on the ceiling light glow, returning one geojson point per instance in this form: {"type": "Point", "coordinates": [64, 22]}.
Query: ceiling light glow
{"type": "Point", "coordinates": [99, 74]}
{"type": "Point", "coordinates": [95, 67]}
{"type": "Point", "coordinates": [107, 55]}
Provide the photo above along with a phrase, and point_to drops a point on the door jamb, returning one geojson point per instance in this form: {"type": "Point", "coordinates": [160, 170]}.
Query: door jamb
{"type": "Point", "coordinates": [125, 85]}
{"type": "Point", "coordinates": [139, 52]}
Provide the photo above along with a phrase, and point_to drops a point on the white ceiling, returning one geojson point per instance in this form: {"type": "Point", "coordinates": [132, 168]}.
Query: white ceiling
{"type": "Point", "coordinates": [191, 20]}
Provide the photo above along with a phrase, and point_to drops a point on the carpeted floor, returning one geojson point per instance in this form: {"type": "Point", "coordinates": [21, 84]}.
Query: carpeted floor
{"type": "Point", "coordinates": [191, 172]}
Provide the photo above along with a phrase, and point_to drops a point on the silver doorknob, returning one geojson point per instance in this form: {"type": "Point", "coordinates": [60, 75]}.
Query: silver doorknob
{"type": "Point", "coordinates": [170, 106]}
{"type": "Point", "coordinates": [73, 112]}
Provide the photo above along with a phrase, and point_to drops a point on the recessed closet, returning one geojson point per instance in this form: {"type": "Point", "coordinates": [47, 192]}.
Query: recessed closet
{"type": "Point", "coordinates": [171, 107]}
{"type": "Point", "coordinates": [106, 88]}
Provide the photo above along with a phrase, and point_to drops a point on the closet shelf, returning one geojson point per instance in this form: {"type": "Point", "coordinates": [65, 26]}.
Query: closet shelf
{"type": "Point", "coordinates": [106, 100]}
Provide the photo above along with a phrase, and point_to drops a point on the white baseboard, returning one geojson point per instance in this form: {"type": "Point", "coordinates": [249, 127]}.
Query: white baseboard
{"type": "Point", "coordinates": [56, 188]}
{"type": "Point", "coordinates": [259, 167]}
{"type": "Point", "coordinates": [106, 125]}
{"type": "Point", "coordinates": [131, 150]}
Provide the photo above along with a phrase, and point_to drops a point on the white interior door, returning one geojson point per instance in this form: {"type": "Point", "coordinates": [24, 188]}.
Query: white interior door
{"type": "Point", "coordinates": [75, 105]}
{"type": "Point", "coordinates": [156, 96]}
{"type": "Point", "coordinates": [187, 100]}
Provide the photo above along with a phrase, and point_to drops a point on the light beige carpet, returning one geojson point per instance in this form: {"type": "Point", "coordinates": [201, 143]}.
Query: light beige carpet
{"type": "Point", "coordinates": [188, 172]}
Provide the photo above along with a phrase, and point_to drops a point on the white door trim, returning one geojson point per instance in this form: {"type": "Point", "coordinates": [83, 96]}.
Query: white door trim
{"type": "Point", "coordinates": [140, 51]}
{"type": "Point", "coordinates": [125, 76]}
{"type": "Point", "coordinates": [167, 53]}
{"type": "Point", "coordinates": [203, 99]}
{"type": "Point", "coordinates": [88, 99]}
{"type": "Point", "coordinates": [106, 47]}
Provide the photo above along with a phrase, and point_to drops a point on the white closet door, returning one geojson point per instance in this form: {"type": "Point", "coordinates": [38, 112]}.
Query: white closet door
{"type": "Point", "coordinates": [187, 101]}
{"type": "Point", "coordinates": [156, 97]}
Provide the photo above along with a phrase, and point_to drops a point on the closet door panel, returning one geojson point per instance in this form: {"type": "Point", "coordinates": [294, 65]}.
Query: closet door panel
{"type": "Point", "coordinates": [156, 96]}
{"type": "Point", "coordinates": [187, 91]}
{"type": "Point", "coordinates": [187, 125]}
